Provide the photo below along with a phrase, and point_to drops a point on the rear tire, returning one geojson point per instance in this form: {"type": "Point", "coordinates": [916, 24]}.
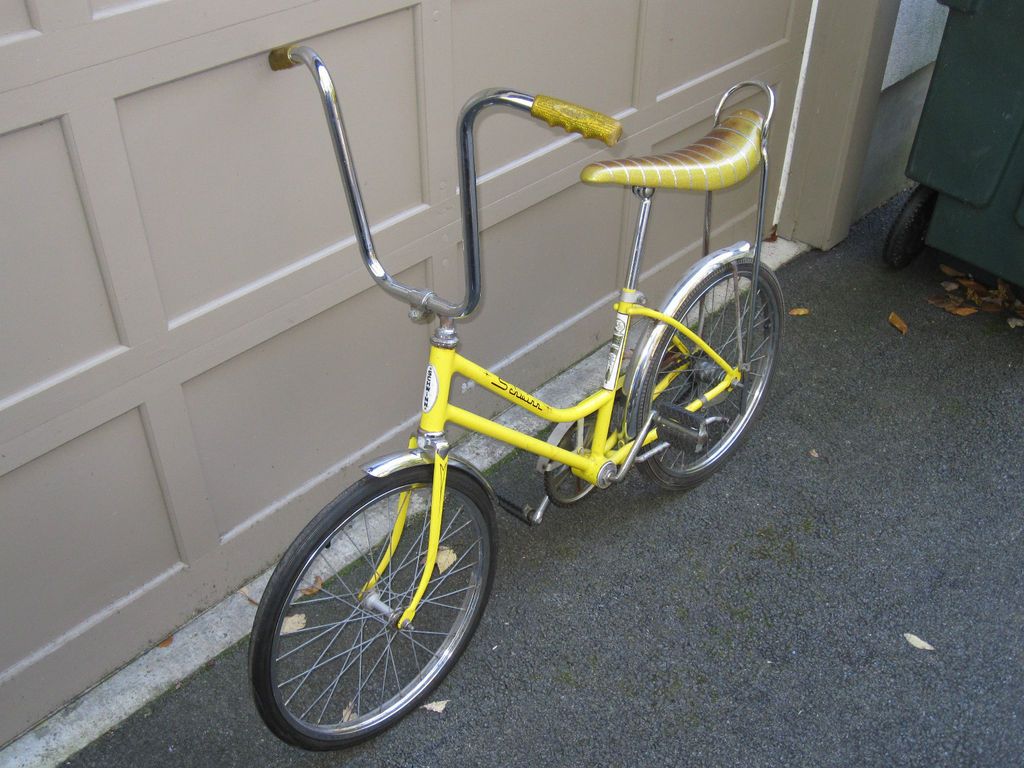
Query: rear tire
{"type": "Point", "coordinates": [906, 236]}
{"type": "Point", "coordinates": [328, 668]}
{"type": "Point", "coordinates": [710, 311]}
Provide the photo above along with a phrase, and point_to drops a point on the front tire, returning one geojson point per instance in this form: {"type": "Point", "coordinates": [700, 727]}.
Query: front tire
{"type": "Point", "coordinates": [328, 667]}
{"type": "Point", "coordinates": [711, 311]}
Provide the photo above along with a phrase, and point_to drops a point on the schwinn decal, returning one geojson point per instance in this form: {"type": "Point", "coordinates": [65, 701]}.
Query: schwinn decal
{"type": "Point", "coordinates": [611, 373]}
{"type": "Point", "coordinates": [503, 386]}
{"type": "Point", "coordinates": [430, 389]}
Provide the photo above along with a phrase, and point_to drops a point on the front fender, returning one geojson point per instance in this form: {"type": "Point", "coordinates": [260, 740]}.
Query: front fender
{"type": "Point", "coordinates": [393, 462]}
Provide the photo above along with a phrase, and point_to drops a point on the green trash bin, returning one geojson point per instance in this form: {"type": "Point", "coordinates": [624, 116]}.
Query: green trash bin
{"type": "Point", "coordinates": [968, 154]}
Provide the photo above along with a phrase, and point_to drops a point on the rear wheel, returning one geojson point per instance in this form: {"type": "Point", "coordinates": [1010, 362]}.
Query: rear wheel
{"type": "Point", "coordinates": [680, 373]}
{"type": "Point", "coordinates": [906, 236]}
{"type": "Point", "coordinates": [328, 666]}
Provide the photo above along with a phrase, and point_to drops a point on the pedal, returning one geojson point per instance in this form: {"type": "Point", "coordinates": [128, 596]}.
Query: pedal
{"type": "Point", "coordinates": [524, 512]}
{"type": "Point", "coordinates": [682, 429]}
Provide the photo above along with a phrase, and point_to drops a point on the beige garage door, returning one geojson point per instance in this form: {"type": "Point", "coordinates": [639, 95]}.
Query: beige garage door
{"type": "Point", "coordinates": [182, 305]}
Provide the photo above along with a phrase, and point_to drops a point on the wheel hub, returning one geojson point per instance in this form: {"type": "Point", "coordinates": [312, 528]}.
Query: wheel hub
{"type": "Point", "coordinates": [372, 603]}
{"type": "Point", "coordinates": [706, 371]}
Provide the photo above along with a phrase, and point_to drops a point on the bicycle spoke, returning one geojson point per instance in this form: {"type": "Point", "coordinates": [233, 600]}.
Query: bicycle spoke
{"type": "Point", "coordinates": [329, 690]}
{"type": "Point", "coordinates": [409, 635]}
{"type": "Point", "coordinates": [432, 590]}
{"type": "Point", "coordinates": [296, 649]}
{"type": "Point", "coordinates": [453, 592]}
{"type": "Point", "coordinates": [431, 601]}
{"type": "Point", "coordinates": [369, 675]}
{"type": "Point", "coordinates": [429, 632]}
{"type": "Point", "coordinates": [324, 662]}
{"type": "Point", "coordinates": [415, 656]}
{"type": "Point", "coordinates": [310, 670]}
{"type": "Point", "coordinates": [336, 573]}
{"type": "Point", "coordinates": [413, 552]}
{"type": "Point", "coordinates": [358, 549]}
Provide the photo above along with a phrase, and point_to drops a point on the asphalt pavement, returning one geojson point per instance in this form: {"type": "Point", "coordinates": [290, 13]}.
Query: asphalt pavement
{"type": "Point", "coordinates": [759, 619]}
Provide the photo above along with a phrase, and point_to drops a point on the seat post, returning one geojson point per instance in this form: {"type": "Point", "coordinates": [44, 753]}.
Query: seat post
{"type": "Point", "coordinates": [707, 223]}
{"type": "Point", "coordinates": [646, 194]}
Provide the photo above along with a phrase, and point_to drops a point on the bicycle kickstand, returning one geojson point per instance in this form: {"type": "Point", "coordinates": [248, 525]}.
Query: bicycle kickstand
{"type": "Point", "coordinates": [524, 512]}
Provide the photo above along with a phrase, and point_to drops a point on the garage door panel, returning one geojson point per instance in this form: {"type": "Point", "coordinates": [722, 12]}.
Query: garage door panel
{"type": "Point", "coordinates": [242, 159]}
{"type": "Point", "coordinates": [543, 47]}
{"type": "Point", "coordinates": [699, 37]}
{"type": "Point", "coordinates": [268, 420]}
{"type": "Point", "coordinates": [52, 290]}
{"type": "Point", "coordinates": [570, 268]}
{"type": "Point", "coordinates": [103, 8]}
{"type": "Point", "coordinates": [84, 525]}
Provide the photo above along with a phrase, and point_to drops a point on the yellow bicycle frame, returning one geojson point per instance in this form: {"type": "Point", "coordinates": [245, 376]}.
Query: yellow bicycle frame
{"type": "Point", "coordinates": [438, 412]}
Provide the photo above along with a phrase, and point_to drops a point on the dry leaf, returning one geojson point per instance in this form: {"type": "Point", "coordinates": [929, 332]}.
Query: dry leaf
{"type": "Point", "coordinates": [1015, 322]}
{"type": "Point", "coordinates": [1004, 292]}
{"type": "Point", "coordinates": [972, 285]}
{"type": "Point", "coordinates": [436, 706]}
{"type": "Point", "coordinates": [962, 311]}
{"type": "Point", "coordinates": [813, 453]}
{"type": "Point", "coordinates": [799, 311]}
{"type": "Point", "coordinates": [946, 270]}
{"type": "Point", "coordinates": [949, 285]}
{"type": "Point", "coordinates": [310, 591]}
{"type": "Point", "coordinates": [348, 712]}
{"type": "Point", "coordinates": [293, 623]}
{"type": "Point", "coordinates": [445, 558]}
{"type": "Point", "coordinates": [917, 642]}
{"type": "Point", "coordinates": [991, 305]}
{"type": "Point", "coordinates": [945, 301]}
{"type": "Point", "coordinates": [897, 322]}
{"type": "Point", "coordinates": [166, 642]}
{"type": "Point", "coordinates": [244, 592]}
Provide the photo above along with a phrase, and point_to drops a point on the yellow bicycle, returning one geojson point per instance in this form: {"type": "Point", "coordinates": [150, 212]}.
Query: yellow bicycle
{"type": "Point", "coordinates": [377, 597]}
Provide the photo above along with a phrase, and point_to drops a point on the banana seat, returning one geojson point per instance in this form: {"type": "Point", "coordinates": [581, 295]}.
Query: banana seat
{"type": "Point", "coordinates": [729, 153]}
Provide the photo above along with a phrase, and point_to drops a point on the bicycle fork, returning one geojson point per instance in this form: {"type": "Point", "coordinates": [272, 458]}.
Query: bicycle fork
{"type": "Point", "coordinates": [367, 595]}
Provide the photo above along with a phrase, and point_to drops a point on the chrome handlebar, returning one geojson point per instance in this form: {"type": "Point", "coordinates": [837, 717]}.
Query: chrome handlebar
{"type": "Point", "coordinates": [422, 302]}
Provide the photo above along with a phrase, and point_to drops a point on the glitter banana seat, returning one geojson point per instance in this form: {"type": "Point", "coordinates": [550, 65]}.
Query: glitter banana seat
{"type": "Point", "coordinates": [725, 156]}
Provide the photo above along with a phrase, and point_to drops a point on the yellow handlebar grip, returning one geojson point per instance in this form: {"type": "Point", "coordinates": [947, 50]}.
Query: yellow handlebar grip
{"type": "Point", "coordinates": [279, 58]}
{"type": "Point", "coordinates": [573, 117]}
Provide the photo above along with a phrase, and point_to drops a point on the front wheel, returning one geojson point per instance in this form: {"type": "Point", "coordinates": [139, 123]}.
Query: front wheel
{"type": "Point", "coordinates": [327, 664]}
{"type": "Point", "coordinates": [679, 373]}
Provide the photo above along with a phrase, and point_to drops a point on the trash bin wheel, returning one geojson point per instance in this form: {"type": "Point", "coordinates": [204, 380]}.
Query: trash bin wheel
{"type": "Point", "coordinates": [906, 236]}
